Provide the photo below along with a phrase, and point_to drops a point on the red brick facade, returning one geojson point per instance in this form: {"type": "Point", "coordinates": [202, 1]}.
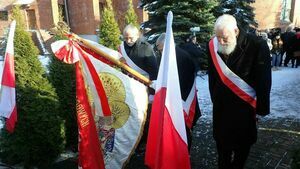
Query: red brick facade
{"type": "Point", "coordinates": [268, 12]}
{"type": "Point", "coordinates": [84, 16]}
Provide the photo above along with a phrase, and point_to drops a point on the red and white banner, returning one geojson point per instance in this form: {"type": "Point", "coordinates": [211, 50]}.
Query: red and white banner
{"type": "Point", "coordinates": [118, 104]}
{"type": "Point", "coordinates": [229, 78]}
{"type": "Point", "coordinates": [189, 106]}
{"type": "Point", "coordinates": [130, 62]}
{"type": "Point", "coordinates": [167, 141]}
{"type": "Point", "coordinates": [8, 107]}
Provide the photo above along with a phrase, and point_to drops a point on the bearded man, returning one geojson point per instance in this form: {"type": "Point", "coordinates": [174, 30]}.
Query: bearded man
{"type": "Point", "coordinates": [239, 74]}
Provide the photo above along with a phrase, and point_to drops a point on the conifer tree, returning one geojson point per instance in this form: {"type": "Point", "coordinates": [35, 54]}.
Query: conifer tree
{"type": "Point", "coordinates": [187, 14]}
{"type": "Point", "coordinates": [38, 136]}
{"type": "Point", "coordinates": [130, 16]}
{"type": "Point", "coordinates": [62, 76]}
{"type": "Point", "coordinates": [240, 9]}
{"type": "Point", "coordinates": [109, 33]}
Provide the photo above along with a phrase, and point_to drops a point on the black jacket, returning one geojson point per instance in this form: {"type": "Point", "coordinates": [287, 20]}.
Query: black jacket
{"type": "Point", "coordinates": [141, 53]}
{"type": "Point", "coordinates": [234, 122]}
{"type": "Point", "coordinates": [195, 53]}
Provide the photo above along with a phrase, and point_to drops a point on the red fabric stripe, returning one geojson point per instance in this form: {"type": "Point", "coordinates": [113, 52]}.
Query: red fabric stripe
{"type": "Point", "coordinates": [165, 149]}
{"type": "Point", "coordinates": [98, 85]}
{"type": "Point", "coordinates": [243, 95]}
{"type": "Point", "coordinates": [8, 76]}
{"type": "Point", "coordinates": [97, 56]}
{"type": "Point", "coordinates": [65, 53]}
{"type": "Point", "coordinates": [90, 154]}
{"type": "Point", "coordinates": [190, 118]}
{"type": "Point", "coordinates": [11, 121]}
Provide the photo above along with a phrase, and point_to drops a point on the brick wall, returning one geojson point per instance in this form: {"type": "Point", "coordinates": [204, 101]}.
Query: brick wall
{"type": "Point", "coordinates": [267, 13]}
{"type": "Point", "coordinates": [120, 8]}
{"type": "Point", "coordinates": [81, 16]}
{"type": "Point", "coordinates": [44, 14]}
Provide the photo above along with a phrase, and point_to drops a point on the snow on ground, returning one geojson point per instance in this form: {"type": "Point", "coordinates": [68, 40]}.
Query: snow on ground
{"type": "Point", "coordinates": [285, 94]}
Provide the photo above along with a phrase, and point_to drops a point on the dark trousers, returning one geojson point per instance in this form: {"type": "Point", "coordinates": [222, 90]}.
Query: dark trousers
{"type": "Point", "coordinates": [141, 147]}
{"type": "Point", "coordinates": [232, 158]}
{"type": "Point", "coordinates": [288, 57]}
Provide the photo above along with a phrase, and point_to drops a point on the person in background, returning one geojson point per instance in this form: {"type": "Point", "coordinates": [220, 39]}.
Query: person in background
{"type": "Point", "coordinates": [269, 41]}
{"type": "Point", "coordinates": [287, 38]}
{"type": "Point", "coordinates": [139, 55]}
{"type": "Point", "coordinates": [239, 73]}
{"type": "Point", "coordinates": [187, 75]}
{"type": "Point", "coordinates": [194, 50]}
{"type": "Point", "coordinates": [276, 51]}
{"type": "Point", "coordinates": [296, 48]}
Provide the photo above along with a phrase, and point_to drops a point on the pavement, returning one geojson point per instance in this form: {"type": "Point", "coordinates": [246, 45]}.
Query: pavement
{"type": "Point", "coordinates": [276, 143]}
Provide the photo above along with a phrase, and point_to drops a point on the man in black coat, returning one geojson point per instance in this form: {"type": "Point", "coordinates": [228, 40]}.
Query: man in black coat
{"type": "Point", "coordinates": [138, 53]}
{"type": "Point", "coordinates": [287, 39]}
{"type": "Point", "coordinates": [239, 74]}
{"type": "Point", "coordinates": [186, 75]}
{"type": "Point", "coordinates": [194, 50]}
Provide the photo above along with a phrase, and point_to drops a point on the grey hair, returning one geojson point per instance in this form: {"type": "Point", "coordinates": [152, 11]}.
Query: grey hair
{"type": "Point", "coordinates": [161, 39]}
{"type": "Point", "coordinates": [225, 21]}
{"type": "Point", "coordinates": [289, 28]}
{"type": "Point", "coordinates": [131, 28]}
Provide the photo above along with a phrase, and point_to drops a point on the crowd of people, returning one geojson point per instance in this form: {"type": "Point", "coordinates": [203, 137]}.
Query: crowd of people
{"type": "Point", "coordinates": [239, 72]}
{"type": "Point", "coordinates": [284, 46]}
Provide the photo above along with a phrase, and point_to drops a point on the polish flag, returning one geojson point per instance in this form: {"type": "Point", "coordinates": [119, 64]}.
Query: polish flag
{"type": "Point", "coordinates": [167, 141]}
{"type": "Point", "coordinates": [8, 92]}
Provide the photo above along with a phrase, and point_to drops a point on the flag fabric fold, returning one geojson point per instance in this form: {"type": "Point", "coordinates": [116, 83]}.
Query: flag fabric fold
{"type": "Point", "coordinates": [116, 105]}
{"type": "Point", "coordinates": [167, 141]}
{"type": "Point", "coordinates": [8, 107]}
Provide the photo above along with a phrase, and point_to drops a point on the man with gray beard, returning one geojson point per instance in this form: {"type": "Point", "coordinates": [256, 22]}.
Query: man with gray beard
{"type": "Point", "coordinates": [239, 74]}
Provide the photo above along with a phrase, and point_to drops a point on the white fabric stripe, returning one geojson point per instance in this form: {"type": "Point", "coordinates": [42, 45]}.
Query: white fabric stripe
{"type": "Point", "coordinates": [127, 136]}
{"type": "Point", "coordinates": [173, 95]}
{"type": "Point", "coordinates": [10, 41]}
{"type": "Point", "coordinates": [231, 75]}
{"type": "Point", "coordinates": [88, 78]}
{"type": "Point", "coordinates": [8, 94]}
{"type": "Point", "coordinates": [110, 52]}
{"type": "Point", "coordinates": [86, 74]}
{"type": "Point", "coordinates": [131, 63]}
{"type": "Point", "coordinates": [189, 99]}
{"type": "Point", "coordinates": [8, 101]}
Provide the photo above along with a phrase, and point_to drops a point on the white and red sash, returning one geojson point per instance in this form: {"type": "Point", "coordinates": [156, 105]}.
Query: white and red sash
{"type": "Point", "coordinates": [130, 62]}
{"type": "Point", "coordinates": [189, 106]}
{"type": "Point", "coordinates": [229, 78]}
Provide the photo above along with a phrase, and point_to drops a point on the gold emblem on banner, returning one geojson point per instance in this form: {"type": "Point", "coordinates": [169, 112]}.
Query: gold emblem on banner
{"type": "Point", "coordinates": [116, 94]}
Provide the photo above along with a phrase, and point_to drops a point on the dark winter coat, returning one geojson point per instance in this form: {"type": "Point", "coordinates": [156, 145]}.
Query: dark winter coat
{"type": "Point", "coordinates": [195, 52]}
{"type": "Point", "coordinates": [296, 42]}
{"type": "Point", "coordinates": [234, 122]}
{"type": "Point", "coordinates": [141, 53]}
{"type": "Point", "coordinates": [287, 39]}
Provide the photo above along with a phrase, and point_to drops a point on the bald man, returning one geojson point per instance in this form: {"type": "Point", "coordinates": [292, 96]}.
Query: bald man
{"type": "Point", "coordinates": [239, 74]}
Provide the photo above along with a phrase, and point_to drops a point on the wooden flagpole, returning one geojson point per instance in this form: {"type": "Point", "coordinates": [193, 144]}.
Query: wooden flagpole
{"type": "Point", "coordinates": [117, 62]}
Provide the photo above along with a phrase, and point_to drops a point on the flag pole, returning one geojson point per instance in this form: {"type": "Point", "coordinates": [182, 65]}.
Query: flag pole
{"type": "Point", "coordinates": [117, 62]}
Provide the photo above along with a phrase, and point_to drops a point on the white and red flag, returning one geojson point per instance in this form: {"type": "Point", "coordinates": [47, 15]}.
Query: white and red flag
{"type": "Point", "coordinates": [8, 107]}
{"type": "Point", "coordinates": [111, 106]}
{"type": "Point", "coordinates": [167, 141]}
